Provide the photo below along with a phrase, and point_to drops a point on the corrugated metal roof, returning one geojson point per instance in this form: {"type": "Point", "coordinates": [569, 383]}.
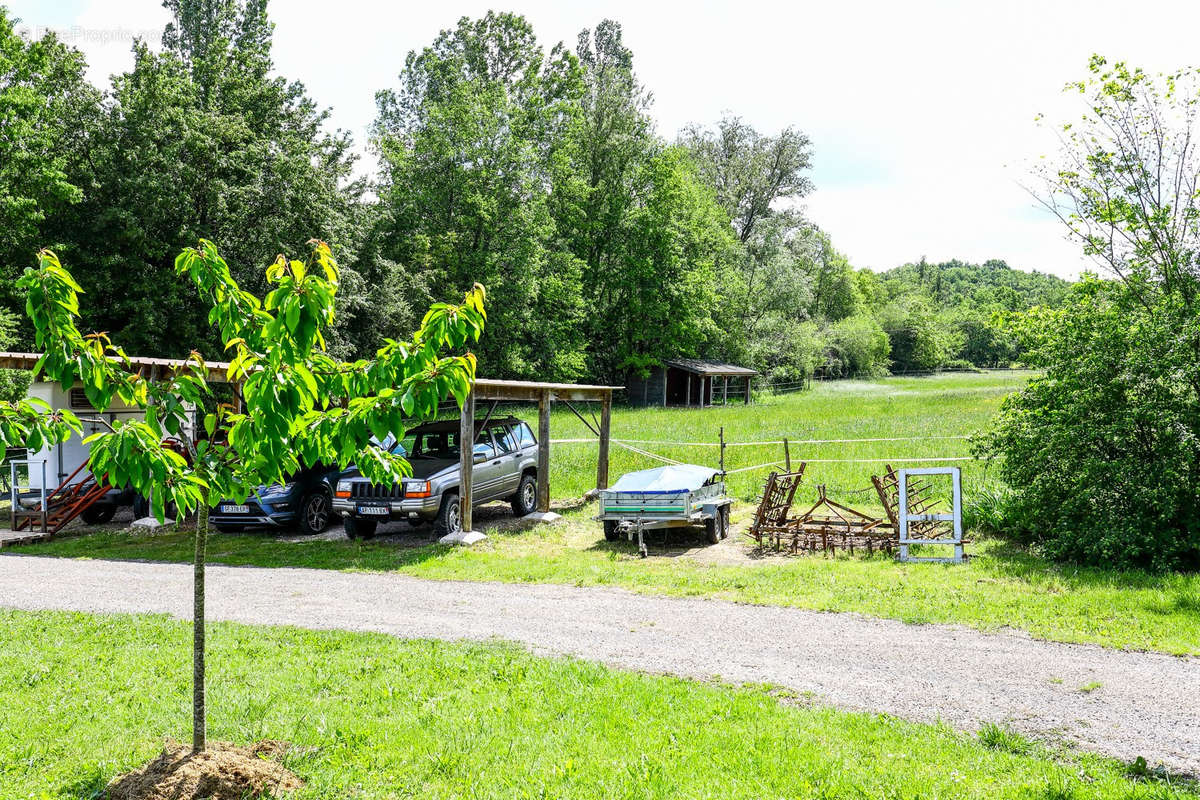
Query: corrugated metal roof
{"type": "Point", "coordinates": [702, 367]}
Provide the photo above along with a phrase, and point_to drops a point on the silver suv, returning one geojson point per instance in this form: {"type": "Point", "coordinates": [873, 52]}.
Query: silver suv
{"type": "Point", "coordinates": [505, 468]}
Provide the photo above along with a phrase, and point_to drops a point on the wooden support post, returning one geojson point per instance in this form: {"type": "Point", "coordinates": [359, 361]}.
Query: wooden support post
{"type": "Point", "coordinates": [466, 459]}
{"type": "Point", "coordinates": [725, 391]}
{"type": "Point", "coordinates": [602, 459]}
{"type": "Point", "coordinates": [787, 456]}
{"type": "Point", "coordinates": [688, 401]}
{"type": "Point", "coordinates": [543, 468]}
{"type": "Point", "coordinates": [749, 397]}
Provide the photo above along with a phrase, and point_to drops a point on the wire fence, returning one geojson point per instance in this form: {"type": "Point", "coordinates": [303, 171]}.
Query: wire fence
{"type": "Point", "coordinates": [801, 384]}
{"type": "Point", "coordinates": [634, 446]}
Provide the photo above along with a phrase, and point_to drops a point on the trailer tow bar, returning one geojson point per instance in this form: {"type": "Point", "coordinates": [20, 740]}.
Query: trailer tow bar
{"type": "Point", "coordinates": [642, 551]}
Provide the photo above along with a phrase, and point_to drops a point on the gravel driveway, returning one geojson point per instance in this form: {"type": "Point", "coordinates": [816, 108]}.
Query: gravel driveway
{"type": "Point", "coordinates": [1122, 704]}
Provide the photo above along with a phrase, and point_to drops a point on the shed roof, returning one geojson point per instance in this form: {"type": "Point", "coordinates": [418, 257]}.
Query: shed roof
{"type": "Point", "coordinates": [702, 367]}
{"type": "Point", "coordinates": [149, 368]}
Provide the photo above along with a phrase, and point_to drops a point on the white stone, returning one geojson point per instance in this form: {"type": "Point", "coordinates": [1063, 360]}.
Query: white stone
{"type": "Point", "coordinates": [467, 538]}
{"type": "Point", "coordinates": [150, 523]}
{"type": "Point", "coordinates": [543, 516]}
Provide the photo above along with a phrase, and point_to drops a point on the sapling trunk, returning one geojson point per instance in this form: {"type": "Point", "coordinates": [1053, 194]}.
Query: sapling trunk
{"type": "Point", "coordinates": [198, 715]}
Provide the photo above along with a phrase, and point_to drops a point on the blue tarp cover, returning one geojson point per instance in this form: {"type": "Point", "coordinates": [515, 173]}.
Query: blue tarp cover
{"type": "Point", "coordinates": [673, 478]}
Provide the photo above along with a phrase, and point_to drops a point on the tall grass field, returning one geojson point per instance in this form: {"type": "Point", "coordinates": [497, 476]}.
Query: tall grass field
{"type": "Point", "coordinates": [925, 416]}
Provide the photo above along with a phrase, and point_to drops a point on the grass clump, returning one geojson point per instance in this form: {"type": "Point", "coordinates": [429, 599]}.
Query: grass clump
{"type": "Point", "coordinates": [996, 737]}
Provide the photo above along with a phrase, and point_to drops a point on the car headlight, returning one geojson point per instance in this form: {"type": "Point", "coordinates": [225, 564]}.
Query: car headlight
{"type": "Point", "coordinates": [343, 489]}
{"type": "Point", "coordinates": [417, 489]}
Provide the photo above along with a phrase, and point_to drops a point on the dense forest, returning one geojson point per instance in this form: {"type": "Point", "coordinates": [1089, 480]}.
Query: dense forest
{"type": "Point", "coordinates": [605, 245]}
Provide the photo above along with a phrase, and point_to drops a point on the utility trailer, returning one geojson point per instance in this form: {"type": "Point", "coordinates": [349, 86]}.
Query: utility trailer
{"type": "Point", "coordinates": [676, 496]}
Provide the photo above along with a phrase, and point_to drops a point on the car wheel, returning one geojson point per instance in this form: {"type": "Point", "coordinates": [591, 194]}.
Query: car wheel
{"type": "Point", "coordinates": [98, 514]}
{"type": "Point", "coordinates": [611, 532]}
{"type": "Point", "coordinates": [449, 518]}
{"type": "Point", "coordinates": [360, 528]}
{"type": "Point", "coordinates": [314, 513]}
{"type": "Point", "coordinates": [525, 500]}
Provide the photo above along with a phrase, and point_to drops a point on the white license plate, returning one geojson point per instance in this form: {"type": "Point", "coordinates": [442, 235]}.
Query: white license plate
{"type": "Point", "coordinates": [235, 509]}
{"type": "Point", "coordinates": [377, 510]}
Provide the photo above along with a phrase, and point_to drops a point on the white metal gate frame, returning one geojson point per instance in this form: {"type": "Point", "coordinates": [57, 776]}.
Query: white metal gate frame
{"type": "Point", "coordinates": [955, 516]}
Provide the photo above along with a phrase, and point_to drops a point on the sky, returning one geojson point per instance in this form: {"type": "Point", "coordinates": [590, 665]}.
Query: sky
{"type": "Point", "coordinates": [921, 113]}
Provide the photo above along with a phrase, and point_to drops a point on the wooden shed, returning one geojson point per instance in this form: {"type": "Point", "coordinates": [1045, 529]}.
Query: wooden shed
{"type": "Point", "coordinates": [691, 382]}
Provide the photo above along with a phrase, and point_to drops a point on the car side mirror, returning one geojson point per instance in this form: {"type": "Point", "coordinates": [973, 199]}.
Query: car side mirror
{"type": "Point", "coordinates": [479, 458]}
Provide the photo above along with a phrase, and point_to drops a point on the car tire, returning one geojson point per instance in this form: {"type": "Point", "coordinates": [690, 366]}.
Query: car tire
{"type": "Point", "coordinates": [449, 518]}
{"type": "Point", "coordinates": [612, 532]}
{"type": "Point", "coordinates": [360, 528]}
{"type": "Point", "coordinates": [99, 513]}
{"type": "Point", "coordinates": [142, 508]}
{"type": "Point", "coordinates": [313, 515]}
{"type": "Point", "coordinates": [525, 500]}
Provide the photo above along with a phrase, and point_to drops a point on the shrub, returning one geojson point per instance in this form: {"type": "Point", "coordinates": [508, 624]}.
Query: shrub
{"type": "Point", "coordinates": [856, 345]}
{"type": "Point", "coordinates": [1102, 451]}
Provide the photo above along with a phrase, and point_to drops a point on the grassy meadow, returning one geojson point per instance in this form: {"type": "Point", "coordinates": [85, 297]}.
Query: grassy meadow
{"type": "Point", "coordinates": [371, 716]}
{"type": "Point", "coordinates": [921, 408]}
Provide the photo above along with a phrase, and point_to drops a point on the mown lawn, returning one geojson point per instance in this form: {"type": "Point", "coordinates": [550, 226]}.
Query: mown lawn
{"type": "Point", "coordinates": [84, 698]}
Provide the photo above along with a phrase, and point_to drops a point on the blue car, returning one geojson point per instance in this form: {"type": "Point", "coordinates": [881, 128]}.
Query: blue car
{"type": "Point", "coordinates": [301, 504]}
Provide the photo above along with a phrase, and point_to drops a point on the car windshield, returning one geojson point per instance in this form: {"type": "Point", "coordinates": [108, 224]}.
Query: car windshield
{"type": "Point", "coordinates": [435, 444]}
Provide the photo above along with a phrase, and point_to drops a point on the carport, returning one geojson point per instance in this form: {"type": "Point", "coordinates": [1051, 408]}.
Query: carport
{"type": "Point", "coordinates": [495, 392]}
{"type": "Point", "coordinates": [492, 392]}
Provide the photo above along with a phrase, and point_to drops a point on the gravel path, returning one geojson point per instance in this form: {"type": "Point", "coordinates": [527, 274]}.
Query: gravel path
{"type": "Point", "coordinates": [1135, 703]}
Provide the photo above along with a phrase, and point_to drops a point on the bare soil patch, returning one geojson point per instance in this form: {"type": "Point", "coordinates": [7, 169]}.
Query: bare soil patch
{"type": "Point", "coordinates": [222, 772]}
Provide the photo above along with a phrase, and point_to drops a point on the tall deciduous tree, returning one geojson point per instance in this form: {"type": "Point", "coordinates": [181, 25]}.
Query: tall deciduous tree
{"type": "Point", "coordinates": [202, 140]}
{"type": "Point", "coordinates": [302, 406]}
{"type": "Point", "coordinates": [46, 109]}
{"type": "Point", "coordinates": [651, 237]}
{"type": "Point", "coordinates": [473, 141]}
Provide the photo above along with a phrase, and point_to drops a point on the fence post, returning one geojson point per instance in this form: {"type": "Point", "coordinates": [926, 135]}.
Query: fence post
{"type": "Point", "coordinates": [787, 456]}
{"type": "Point", "coordinates": [722, 439]}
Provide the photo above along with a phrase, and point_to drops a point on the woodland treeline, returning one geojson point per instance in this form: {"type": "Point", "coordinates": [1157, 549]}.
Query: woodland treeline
{"type": "Point", "coordinates": [605, 244]}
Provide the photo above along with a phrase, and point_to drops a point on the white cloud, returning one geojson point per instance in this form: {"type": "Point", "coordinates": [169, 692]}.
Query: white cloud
{"type": "Point", "coordinates": [921, 113]}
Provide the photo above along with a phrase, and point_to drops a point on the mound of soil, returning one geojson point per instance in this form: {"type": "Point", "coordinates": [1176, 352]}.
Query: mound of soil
{"type": "Point", "coordinates": [222, 772]}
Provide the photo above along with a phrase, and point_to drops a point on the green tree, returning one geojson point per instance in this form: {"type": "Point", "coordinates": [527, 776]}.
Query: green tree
{"type": "Point", "coordinates": [13, 383]}
{"type": "Point", "coordinates": [302, 406]}
{"type": "Point", "coordinates": [473, 142]}
{"type": "Point", "coordinates": [855, 346]}
{"type": "Point", "coordinates": [758, 180]}
{"type": "Point", "coordinates": [46, 107]}
{"type": "Point", "coordinates": [1103, 450]}
{"type": "Point", "coordinates": [201, 140]}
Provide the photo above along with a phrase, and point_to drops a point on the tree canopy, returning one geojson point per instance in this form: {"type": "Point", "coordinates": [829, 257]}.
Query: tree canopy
{"type": "Point", "coordinates": [607, 246]}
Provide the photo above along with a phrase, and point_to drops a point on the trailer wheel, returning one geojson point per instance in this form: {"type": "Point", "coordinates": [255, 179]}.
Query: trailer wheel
{"type": "Point", "coordinates": [611, 532]}
{"type": "Point", "coordinates": [725, 522]}
{"type": "Point", "coordinates": [712, 528]}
